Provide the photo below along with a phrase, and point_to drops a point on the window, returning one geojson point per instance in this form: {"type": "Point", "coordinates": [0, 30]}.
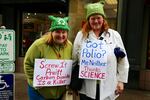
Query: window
{"type": "Point", "coordinates": [148, 48]}
{"type": "Point", "coordinates": [33, 27]}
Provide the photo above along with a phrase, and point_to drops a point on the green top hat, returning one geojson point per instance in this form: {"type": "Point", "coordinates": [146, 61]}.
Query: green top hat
{"type": "Point", "coordinates": [59, 23]}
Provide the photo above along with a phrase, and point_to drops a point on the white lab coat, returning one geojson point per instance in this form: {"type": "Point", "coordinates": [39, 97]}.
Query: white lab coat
{"type": "Point", "coordinates": [116, 71]}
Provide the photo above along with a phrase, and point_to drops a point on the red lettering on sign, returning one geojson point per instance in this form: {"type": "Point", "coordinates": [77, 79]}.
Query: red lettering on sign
{"type": "Point", "coordinates": [41, 66]}
{"type": "Point", "coordinates": [55, 82]}
{"type": "Point", "coordinates": [56, 72]}
{"type": "Point", "coordinates": [63, 77]}
{"type": "Point", "coordinates": [41, 78]}
{"type": "Point", "coordinates": [96, 75]}
{"type": "Point", "coordinates": [62, 64]}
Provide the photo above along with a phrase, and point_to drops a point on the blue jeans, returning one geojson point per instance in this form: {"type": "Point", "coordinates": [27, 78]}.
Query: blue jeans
{"type": "Point", "coordinates": [33, 94]}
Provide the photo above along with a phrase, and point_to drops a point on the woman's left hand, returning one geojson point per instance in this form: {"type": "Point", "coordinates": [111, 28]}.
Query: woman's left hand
{"type": "Point", "coordinates": [120, 88]}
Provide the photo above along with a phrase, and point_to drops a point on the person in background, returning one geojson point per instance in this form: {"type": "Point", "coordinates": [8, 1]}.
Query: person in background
{"type": "Point", "coordinates": [96, 28]}
{"type": "Point", "coordinates": [53, 45]}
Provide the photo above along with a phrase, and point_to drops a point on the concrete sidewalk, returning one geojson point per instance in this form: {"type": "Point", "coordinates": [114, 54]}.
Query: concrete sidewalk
{"type": "Point", "coordinates": [20, 87]}
{"type": "Point", "coordinates": [129, 94]}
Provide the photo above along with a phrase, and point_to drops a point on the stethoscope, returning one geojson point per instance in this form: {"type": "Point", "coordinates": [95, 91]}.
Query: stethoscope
{"type": "Point", "coordinates": [106, 38]}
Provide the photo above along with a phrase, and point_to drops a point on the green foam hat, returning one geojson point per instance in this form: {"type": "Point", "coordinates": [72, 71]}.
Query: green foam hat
{"type": "Point", "coordinates": [59, 23]}
{"type": "Point", "coordinates": [95, 8]}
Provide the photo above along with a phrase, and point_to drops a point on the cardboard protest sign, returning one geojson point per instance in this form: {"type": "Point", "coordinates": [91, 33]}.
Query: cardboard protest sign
{"type": "Point", "coordinates": [93, 60]}
{"type": "Point", "coordinates": [52, 72]}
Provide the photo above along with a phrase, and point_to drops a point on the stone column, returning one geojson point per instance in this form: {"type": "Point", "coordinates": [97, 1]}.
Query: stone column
{"type": "Point", "coordinates": [76, 15]}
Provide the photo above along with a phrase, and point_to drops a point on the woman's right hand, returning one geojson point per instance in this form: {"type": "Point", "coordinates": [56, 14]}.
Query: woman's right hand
{"type": "Point", "coordinates": [120, 88]}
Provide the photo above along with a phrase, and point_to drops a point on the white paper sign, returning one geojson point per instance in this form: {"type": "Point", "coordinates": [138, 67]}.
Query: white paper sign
{"type": "Point", "coordinates": [7, 45]}
{"type": "Point", "coordinates": [93, 60]}
{"type": "Point", "coordinates": [7, 67]}
{"type": "Point", "coordinates": [52, 72]}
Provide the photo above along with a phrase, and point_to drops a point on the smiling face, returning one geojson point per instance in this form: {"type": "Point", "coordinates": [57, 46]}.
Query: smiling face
{"type": "Point", "coordinates": [96, 21]}
{"type": "Point", "coordinates": [60, 36]}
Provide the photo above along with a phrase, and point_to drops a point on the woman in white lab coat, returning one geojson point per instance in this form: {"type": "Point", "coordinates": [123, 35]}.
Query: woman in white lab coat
{"type": "Point", "coordinates": [96, 28]}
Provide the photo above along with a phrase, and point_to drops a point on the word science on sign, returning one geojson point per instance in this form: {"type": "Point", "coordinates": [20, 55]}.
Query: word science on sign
{"type": "Point", "coordinates": [52, 72]}
{"type": "Point", "coordinates": [93, 60]}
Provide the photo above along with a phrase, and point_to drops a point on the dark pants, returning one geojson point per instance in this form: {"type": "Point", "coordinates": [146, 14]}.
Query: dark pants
{"type": "Point", "coordinates": [84, 97]}
{"type": "Point", "coordinates": [34, 95]}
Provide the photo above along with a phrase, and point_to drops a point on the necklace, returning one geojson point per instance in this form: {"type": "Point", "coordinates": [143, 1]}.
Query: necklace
{"type": "Point", "coordinates": [56, 51]}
